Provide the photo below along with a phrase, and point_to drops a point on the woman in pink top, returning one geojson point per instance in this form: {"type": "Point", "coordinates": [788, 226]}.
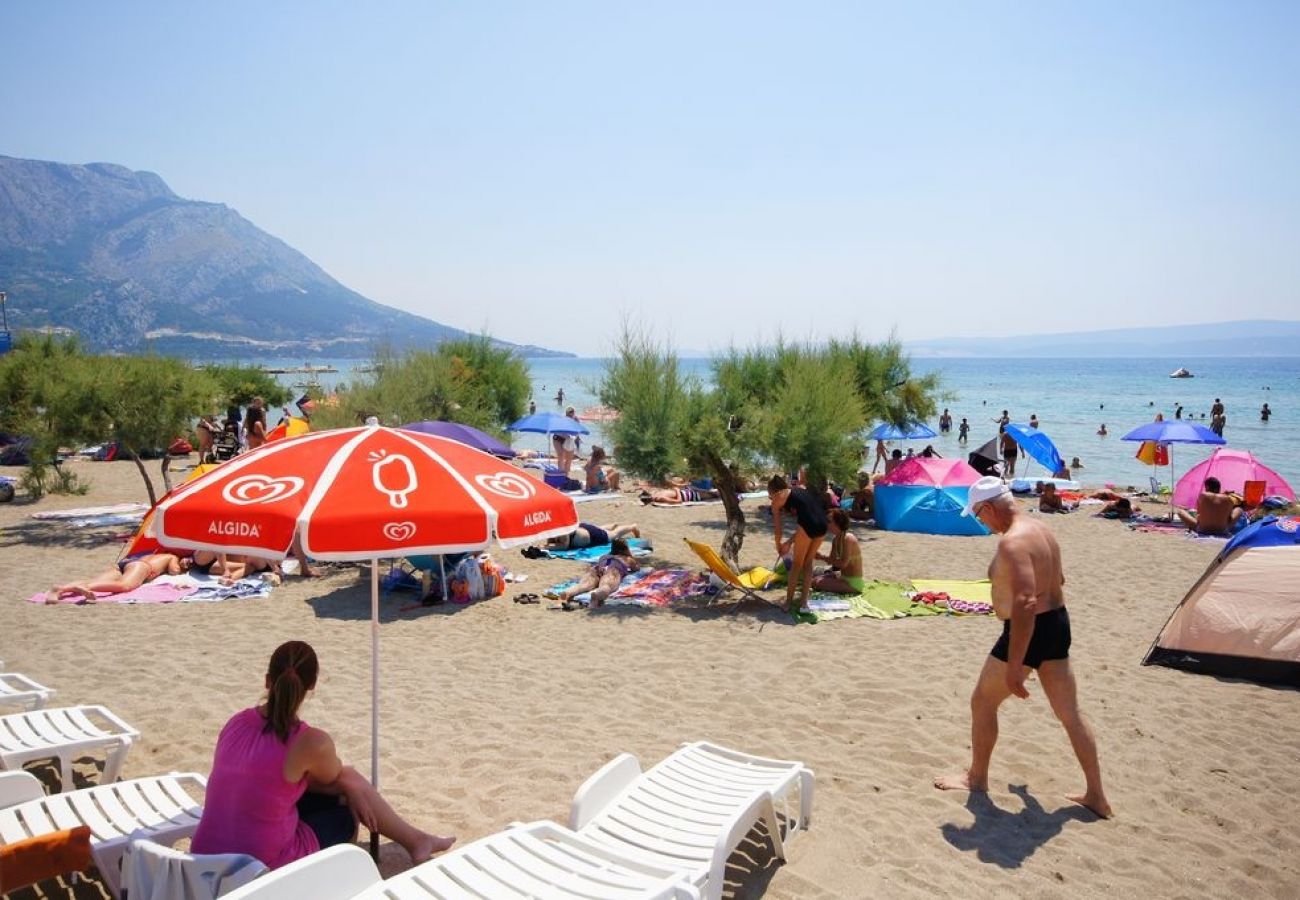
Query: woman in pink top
{"type": "Point", "coordinates": [278, 790]}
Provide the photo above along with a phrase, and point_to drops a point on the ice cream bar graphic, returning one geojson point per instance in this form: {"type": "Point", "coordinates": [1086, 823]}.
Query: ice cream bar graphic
{"type": "Point", "coordinates": [395, 476]}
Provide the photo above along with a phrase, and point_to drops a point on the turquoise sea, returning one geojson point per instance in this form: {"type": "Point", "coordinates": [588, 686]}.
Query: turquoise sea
{"type": "Point", "coordinates": [1071, 398]}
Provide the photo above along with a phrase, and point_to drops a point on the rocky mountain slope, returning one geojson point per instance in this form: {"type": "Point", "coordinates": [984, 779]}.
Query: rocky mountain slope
{"type": "Point", "coordinates": [117, 257]}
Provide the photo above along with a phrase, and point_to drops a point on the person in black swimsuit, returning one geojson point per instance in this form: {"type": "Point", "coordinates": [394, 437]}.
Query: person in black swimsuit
{"type": "Point", "coordinates": [810, 528]}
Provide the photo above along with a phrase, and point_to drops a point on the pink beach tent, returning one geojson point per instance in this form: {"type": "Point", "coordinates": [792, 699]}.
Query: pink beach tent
{"type": "Point", "coordinates": [933, 471]}
{"type": "Point", "coordinates": [1233, 468]}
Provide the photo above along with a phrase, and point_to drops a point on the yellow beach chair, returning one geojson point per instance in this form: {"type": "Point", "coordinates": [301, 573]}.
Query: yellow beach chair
{"type": "Point", "coordinates": [746, 583]}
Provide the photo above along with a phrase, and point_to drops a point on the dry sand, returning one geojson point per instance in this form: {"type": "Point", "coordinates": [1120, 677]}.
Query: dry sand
{"type": "Point", "coordinates": [497, 711]}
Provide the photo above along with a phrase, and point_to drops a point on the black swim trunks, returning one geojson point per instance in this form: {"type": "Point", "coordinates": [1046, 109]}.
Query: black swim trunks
{"type": "Point", "coordinates": [1051, 638]}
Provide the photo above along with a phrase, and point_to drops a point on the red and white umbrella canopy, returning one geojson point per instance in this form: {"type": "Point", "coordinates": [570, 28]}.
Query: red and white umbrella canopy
{"type": "Point", "coordinates": [363, 493]}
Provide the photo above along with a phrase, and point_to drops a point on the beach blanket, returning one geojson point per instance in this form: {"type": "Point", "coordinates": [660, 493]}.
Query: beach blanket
{"type": "Point", "coordinates": [97, 516]}
{"type": "Point", "coordinates": [647, 587]}
{"type": "Point", "coordinates": [177, 589]}
{"type": "Point", "coordinates": [1158, 526]}
{"type": "Point", "coordinates": [897, 600]}
{"type": "Point", "coordinates": [971, 591]}
{"type": "Point", "coordinates": [638, 546]}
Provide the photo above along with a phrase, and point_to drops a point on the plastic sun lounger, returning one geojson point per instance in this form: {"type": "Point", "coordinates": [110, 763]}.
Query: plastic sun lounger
{"type": "Point", "coordinates": [161, 808]}
{"type": "Point", "coordinates": [538, 860]}
{"type": "Point", "coordinates": [720, 568]}
{"type": "Point", "coordinates": [693, 809]}
{"type": "Point", "coordinates": [15, 688]}
{"type": "Point", "coordinates": [62, 733]}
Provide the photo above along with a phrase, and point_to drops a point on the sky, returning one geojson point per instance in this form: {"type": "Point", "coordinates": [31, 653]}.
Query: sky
{"type": "Point", "coordinates": [713, 172]}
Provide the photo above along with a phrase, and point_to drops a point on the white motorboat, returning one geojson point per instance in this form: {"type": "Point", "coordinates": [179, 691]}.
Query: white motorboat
{"type": "Point", "coordinates": [1181, 373]}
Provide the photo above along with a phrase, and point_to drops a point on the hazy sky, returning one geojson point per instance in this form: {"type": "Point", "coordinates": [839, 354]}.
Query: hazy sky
{"type": "Point", "coordinates": [719, 170]}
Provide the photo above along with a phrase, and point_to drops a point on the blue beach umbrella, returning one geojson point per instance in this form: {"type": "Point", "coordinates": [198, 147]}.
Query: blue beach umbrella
{"type": "Point", "coordinates": [888, 432]}
{"type": "Point", "coordinates": [1038, 445]}
{"type": "Point", "coordinates": [1177, 431]}
{"type": "Point", "coordinates": [548, 423]}
{"type": "Point", "coordinates": [464, 434]}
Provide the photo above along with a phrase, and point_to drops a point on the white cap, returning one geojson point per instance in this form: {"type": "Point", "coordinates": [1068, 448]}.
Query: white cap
{"type": "Point", "coordinates": [987, 488]}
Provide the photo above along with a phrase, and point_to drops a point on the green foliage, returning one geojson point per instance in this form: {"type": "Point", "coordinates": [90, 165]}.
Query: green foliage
{"type": "Point", "coordinates": [40, 479]}
{"type": "Point", "coordinates": [468, 381]}
{"type": "Point", "coordinates": [643, 383]}
{"type": "Point", "coordinates": [240, 384]}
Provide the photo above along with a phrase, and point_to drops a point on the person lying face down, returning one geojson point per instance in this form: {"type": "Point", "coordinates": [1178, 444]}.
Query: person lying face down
{"type": "Point", "coordinates": [604, 576]}
{"type": "Point", "coordinates": [589, 535]}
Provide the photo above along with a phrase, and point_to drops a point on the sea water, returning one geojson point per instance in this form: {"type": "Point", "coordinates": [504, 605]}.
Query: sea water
{"type": "Point", "coordinates": [1072, 398]}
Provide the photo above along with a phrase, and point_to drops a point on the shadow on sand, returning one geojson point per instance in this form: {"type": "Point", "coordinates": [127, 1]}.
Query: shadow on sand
{"type": "Point", "coordinates": [1006, 838]}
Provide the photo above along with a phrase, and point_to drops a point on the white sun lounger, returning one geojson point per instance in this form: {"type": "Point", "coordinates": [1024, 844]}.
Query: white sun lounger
{"type": "Point", "coordinates": [524, 862]}
{"type": "Point", "coordinates": [62, 733]}
{"type": "Point", "coordinates": [692, 810]}
{"type": "Point", "coordinates": [162, 807]}
{"type": "Point", "coordinates": [15, 688]}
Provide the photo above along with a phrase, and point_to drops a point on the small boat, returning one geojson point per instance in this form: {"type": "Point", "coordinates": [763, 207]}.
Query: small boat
{"type": "Point", "coordinates": [1181, 373]}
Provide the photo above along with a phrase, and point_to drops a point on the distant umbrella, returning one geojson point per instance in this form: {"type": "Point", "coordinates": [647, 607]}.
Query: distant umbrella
{"type": "Point", "coordinates": [888, 432]}
{"type": "Point", "coordinates": [1038, 446]}
{"type": "Point", "coordinates": [1177, 431]}
{"type": "Point", "coordinates": [463, 434]}
{"type": "Point", "coordinates": [548, 423]}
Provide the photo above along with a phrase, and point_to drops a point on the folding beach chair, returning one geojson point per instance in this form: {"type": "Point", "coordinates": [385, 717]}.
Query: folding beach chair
{"type": "Point", "coordinates": [720, 568]}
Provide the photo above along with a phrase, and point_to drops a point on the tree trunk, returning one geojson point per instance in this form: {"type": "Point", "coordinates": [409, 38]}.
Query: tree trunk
{"type": "Point", "coordinates": [139, 464]}
{"type": "Point", "coordinates": [725, 480]}
{"type": "Point", "coordinates": [166, 472]}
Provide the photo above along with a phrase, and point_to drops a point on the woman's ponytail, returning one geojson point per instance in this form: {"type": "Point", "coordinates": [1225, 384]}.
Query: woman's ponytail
{"type": "Point", "coordinates": [290, 675]}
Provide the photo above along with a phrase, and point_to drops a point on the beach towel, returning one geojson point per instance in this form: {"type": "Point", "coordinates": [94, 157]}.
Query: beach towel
{"type": "Point", "coordinates": [184, 588]}
{"type": "Point", "coordinates": [638, 546]}
{"type": "Point", "coordinates": [647, 587]}
{"type": "Point", "coordinates": [752, 495]}
{"type": "Point", "coordinates": [1158, 526]}
{"type": "Point", "coordinates": [86, 512]}
{"type": "Point", "coordinates": [878, 600]}
{"type": "Point", "coordinates": [980, 591]}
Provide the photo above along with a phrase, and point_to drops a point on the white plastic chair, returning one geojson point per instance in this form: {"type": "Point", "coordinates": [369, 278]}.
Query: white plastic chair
{"type": "Point", "coordinates": [16, 688]}
{"type": "Point", "coordinates": [161, 807]}
{"type": "Point", "coordinates": [538, 860]}
{"type": "Point", "coordinates": [693, 809]}
{"type": "Point", "coordinates": [151, 871]}
{"type": "Point", "coordinates": [61, 734]}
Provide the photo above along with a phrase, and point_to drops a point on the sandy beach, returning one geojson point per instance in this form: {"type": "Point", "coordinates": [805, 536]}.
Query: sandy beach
{"type": "Point", "coordinates": [496, 712]}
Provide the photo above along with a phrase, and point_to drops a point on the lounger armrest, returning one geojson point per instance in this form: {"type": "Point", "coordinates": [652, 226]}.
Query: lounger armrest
{"type": "Point", "coordinates": [336, 873]}
{"type": "Point", "coordinates": [19, 787]}
{"type": "Point", "coordinates": [128, 733]}
{"type": "Point", "coordinates": [603, 787]}
{"type": "Point", "coordinates": [759, 808]}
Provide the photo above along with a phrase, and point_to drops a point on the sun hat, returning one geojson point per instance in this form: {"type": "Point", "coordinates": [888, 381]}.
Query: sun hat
{"type": "Point", "coordinates": [986, 488]}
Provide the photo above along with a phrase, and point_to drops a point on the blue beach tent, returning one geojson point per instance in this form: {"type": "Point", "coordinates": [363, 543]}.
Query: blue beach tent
{"type": "Point", "coordinates": [927, 495]}
{"type": "Point", "coordinates": [1242, 618]}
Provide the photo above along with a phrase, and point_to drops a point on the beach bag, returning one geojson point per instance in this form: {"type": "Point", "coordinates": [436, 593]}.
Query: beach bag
{"type": "Point", "coordinates": [494, 579]}
{"type": "Point", "coordinates": [467, 581]}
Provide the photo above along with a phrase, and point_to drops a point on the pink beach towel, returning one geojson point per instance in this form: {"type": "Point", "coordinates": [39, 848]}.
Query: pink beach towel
{"type": "Point", "coordinates": [146, 593]}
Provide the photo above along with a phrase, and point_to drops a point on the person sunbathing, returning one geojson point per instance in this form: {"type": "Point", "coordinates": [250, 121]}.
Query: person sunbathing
{"type": "Point", "coordinates": [599, 478]}
{"type": "Point", "coordinates": [589, 535]}
{"type": "Point", "coordinates": [686, 493]}
{"type": "Point", "coordinates": [603, 577]}
{"type": "Point", "coordinates": [126, 576]}
{"type": "Point", "coordinates": [1049, 501]}
{"type": "Point", "coordinates": [278, 790]}
{"type": "Point", "coordinates": [1216, 513]}
{"type": "Point", "coordinates": [845, 558]}
{"type": "Point", "coordinates": [864, 500]}
{"type": "Point", "coordinates": [1119, 508]}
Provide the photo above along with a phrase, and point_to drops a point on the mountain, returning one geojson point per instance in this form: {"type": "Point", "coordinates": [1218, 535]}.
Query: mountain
{"type": "Point", "coordinates": [117, 257]}
{"type": "Point", "coordinates": [1245, 338]}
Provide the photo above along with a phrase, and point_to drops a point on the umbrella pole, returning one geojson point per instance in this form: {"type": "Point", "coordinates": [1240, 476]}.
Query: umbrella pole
{"type": "Point", "coordinates": [442, 575]}
{"type": "Point", "coordinates": [374, 692]}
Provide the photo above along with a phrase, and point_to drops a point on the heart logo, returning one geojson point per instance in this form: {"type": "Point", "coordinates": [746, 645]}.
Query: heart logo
{"type": "Point", "coordinates": [251, 489]}
{"type": "Point", "coordinates": [399, 531]}
{"type": "Point", "coordinates": [507, 484]}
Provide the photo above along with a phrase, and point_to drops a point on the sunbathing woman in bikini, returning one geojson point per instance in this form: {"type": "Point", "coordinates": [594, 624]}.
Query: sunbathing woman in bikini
{"type": "Point", "coordinates": [589, 535]}
{"type": "Point", "coordinates": [684, 494]}
{"type": "Point", "coordinates": [604, 576]}
{"type": "Point", "coordinates": [127, 575]}
{"type": "Point", "coordinates": [845, 557]}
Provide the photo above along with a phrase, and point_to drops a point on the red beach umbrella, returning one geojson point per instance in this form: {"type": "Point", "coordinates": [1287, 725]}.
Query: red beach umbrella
{"type": "Point", "coordinates": [363, 493]}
